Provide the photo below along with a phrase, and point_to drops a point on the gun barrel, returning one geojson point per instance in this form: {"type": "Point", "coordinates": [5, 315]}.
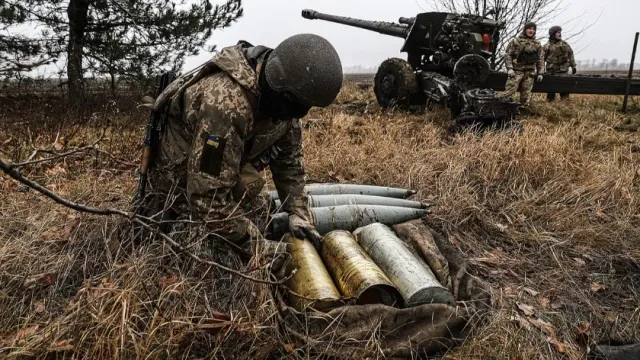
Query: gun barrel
{"type": "Point", "coordinates": [407, 21]}
{"type": "Point", "coordinates": [383, 27]}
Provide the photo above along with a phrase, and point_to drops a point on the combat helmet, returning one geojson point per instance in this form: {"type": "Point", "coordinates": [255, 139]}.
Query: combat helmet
{"type": "Point", "coordinates": [553, 30]}
{"type": "Point", "coordinates": [308, 67]}
{"type": "Point", "coordinates": [528, 25]}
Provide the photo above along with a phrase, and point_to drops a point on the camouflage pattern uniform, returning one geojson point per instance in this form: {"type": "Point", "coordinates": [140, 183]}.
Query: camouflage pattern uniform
{"type": "Point", "coordinates": [558, 58]}
{"type": "Point", "coordinates": [215, 144]}
{"type": "Point", "coordinates": [524, 57]}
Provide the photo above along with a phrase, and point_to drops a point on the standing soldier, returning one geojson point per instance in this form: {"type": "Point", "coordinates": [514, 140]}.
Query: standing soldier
{"type": "Point", "coordinates": [524, 62]}
{"type": "Point", "coordinates": [225, 123]}
{"type": "Point", "coordinates": [558, 57]}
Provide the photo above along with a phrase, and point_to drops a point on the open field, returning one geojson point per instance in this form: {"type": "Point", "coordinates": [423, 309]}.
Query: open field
{"type": "Point", "coordinates": [550, 218]}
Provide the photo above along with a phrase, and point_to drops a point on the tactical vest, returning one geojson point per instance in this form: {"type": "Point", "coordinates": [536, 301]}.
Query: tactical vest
{"type": "Point", "coordinates": [528, 56]}
{"type": "Point", "coordinates": [558, 57]}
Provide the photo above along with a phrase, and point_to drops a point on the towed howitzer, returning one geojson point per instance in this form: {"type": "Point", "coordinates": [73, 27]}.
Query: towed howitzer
{"type": "Point", "coordinates": [447, 63]}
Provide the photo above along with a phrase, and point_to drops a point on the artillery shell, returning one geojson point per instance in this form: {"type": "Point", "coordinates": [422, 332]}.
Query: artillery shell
{"type": "Point", "coordinates": [355, 274]}
{"type": "Point", "coordinates": [311, 279]}
{"type": "Point", "coordinates": [353, 199]}
{"type": "Point", "coordinates": [329, 188]}
{"type": "Point", "coordinates": [348, 217]}
{"type": "Point", "coordinates": [351, 217]}
{"type": "Point", "coordinates": [411, 275]}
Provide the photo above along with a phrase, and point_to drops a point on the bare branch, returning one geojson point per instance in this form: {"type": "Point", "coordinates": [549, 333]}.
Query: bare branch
{"type": "Point", "coordinates": [58, 156]}
{"type": "Point", "coordinates": [13, 172]}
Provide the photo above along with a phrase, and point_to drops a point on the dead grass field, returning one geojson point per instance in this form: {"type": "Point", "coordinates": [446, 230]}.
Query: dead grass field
{"type": "Point", "coordinates": [550, 218]}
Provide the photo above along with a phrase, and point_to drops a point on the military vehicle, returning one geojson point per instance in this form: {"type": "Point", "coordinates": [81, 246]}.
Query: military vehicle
{"type": "Point", "coordinates": [447, 62]}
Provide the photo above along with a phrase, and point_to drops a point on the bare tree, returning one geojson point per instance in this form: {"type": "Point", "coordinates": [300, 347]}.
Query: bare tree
{"type": "Point", "coordinates": [116, 37]}
{"type": "Point", "coordinates": [515, 14]}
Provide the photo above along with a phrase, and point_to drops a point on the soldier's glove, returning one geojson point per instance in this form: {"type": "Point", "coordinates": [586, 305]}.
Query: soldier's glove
{"type": "Point", "coordinates": [539, 78]}
{"type": "Point", "coordinates": [573, 70]}
{"type": "Point", "coordinates": [303, 228]}
{"type": "Point", "coordinates": [511, 73]}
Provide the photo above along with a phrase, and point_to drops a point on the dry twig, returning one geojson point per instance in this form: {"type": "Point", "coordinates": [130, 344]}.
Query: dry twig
{"type": "Point", "coordinates": [13, 172]}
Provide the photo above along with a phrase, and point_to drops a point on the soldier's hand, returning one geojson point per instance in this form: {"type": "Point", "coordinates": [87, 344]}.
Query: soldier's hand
{"type": "Point", "coordinates": [511, 73]}
{"type": "Point", "coordinates": [573, 70]}
{"type": "Point", "coordinates": [303, 228]}
{"type": "Point", "coordinates": [253, 231]}
{"type": "Point", "coordinates": [539, 78]}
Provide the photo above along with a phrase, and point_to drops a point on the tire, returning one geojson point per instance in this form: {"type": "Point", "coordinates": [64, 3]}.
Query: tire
{"type": "Point", "coordinates": [395, 84]}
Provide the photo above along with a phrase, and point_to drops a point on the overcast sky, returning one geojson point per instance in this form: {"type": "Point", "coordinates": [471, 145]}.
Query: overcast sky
{"type": "Point", "coordinates": [267, 22]}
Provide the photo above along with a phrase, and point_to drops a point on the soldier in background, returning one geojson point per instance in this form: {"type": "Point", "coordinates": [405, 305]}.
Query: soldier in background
{"type": "Point", "coordinates": [227, 122]}
{"type": "Point", "coordinates": [523, 60]}
{"type": "Point", "coordinates": [558, 57]}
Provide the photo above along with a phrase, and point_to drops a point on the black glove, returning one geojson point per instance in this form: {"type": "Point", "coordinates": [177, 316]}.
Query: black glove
{"type": "Point", "coordinates": [573, 70]}
{"type": "Point", "coordinates": [304, 229]}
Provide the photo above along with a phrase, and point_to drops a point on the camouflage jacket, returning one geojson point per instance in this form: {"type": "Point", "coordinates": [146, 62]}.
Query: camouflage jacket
{"type": "Point", "coordinates": [524, 54]}
{"type": "Point", "coordinates": [558, 56]}
{"type": "Point", "coordinates": [216, 142]}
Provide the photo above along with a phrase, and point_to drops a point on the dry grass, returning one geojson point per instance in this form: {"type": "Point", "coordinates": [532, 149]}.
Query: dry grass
{"type": "Point", "coordinates": [550, 218]}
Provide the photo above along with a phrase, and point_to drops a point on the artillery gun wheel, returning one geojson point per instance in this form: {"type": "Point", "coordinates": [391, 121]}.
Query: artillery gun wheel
{"type": "Point", "coordinates": [395, 84]}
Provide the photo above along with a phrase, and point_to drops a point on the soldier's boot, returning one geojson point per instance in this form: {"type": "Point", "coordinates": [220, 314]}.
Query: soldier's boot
{"type": "Point", "coordinates": [551, 97]}
{"type": "Point", "coordinates": [564, 96]}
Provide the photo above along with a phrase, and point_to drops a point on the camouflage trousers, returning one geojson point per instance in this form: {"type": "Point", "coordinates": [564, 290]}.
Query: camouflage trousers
{"type": "Point", "coordinates": [552, 96]}
{"type": "Point", "coordinates": [522, 82]}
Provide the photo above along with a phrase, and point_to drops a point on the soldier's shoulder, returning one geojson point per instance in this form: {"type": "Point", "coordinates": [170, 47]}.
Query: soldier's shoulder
{"type": "Point", "coordinates": [515, 43]}
{"type": "Point", "coordinates": [220, 89]}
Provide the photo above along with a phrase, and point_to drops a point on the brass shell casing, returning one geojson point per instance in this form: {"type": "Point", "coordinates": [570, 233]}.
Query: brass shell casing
{"type": "Point", "coordinates": [311, 279]}
{"type": "Point", "coordinates": [353, 271]}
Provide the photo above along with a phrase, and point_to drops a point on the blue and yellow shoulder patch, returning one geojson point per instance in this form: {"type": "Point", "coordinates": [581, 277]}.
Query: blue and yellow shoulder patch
{"type": "Point", "coordinates": [212, 155]}
{"type": "Point", "coordinates": [213, 140]}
